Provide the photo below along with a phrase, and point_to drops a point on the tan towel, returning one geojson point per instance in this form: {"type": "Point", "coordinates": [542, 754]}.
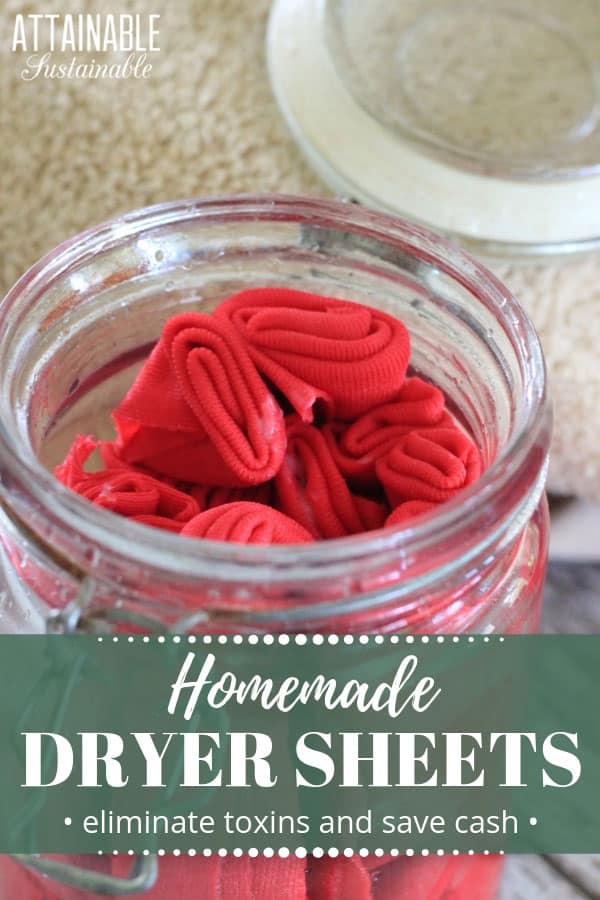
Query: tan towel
{"type": "Point", "coordinates": [73, 153]}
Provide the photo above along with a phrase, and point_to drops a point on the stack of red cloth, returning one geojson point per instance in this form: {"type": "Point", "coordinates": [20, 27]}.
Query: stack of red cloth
{"type": "Point", "coordinates": [283, 417]}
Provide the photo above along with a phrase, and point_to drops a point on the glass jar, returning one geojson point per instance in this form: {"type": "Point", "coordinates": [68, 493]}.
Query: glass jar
{"type": "Point", "coordinates": [73, 333]}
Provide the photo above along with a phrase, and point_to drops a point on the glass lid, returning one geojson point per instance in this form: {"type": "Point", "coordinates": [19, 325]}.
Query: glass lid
{"type": "Point", "coordinates": [478, 118]}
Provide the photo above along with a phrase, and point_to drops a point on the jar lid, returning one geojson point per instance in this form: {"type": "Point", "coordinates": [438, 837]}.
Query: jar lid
{"type": "Point", "coordinates": [479, 119]}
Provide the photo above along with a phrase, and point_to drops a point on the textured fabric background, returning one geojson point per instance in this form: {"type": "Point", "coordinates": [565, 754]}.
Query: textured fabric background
{"type": "Point", "coordinates": [73, 153]}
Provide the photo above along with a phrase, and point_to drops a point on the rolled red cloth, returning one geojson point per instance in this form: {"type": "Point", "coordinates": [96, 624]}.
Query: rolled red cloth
{"type": "Point", "coordinates": [199, 411]}
{"type": "Point", "coordinates": [311, 489]}
{"type": "Point", "coordinates": [124, 490]}
{"type": "Point", "coordinates": [357, 448]}
{"type": "Point", "coordinates": [311, 348]}
{"type": "Point", "coordinates": [431, 466]}
{"type": "Point", "coordinates": [246, 523]}
{"type": "Point", "coordinates": [409, 510]}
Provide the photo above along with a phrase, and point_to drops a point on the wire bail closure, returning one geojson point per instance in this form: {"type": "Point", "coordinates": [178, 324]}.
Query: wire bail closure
{"type": "Point", "coordinates": [141, 879]}
{"type": "Point", "coordinates": [81, 617]}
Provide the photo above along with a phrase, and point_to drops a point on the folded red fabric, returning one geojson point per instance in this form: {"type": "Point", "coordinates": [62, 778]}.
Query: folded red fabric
{"type": "Point", "coordinates": [439, 878]}
{"type": "Point", "coordinates": [357, 447]}
{"type": "Point", "coordinates": [263, 879]}
{"type": "Point", "coordinates": [311, 489]}
{"type": "Point", "coordinates": [432, 466]}
{"type": "Point", "coordinates": [313, 348]}
{"type": "Point", "coordinates": [110, 457]}
{"type": "Point", "coordinates": [70, 471]}
{"type": "Point", "coordinates": [160, 522]}
{"type": "Point", "coordinates": [227, 878]}
{"type": "Point", "coordinates": [246, 523]}
{"type": "Point", "coordinates": [334, 879]}
{"type": "Point", "coordinates": [199, 411]}
{"type": "Point", "coordinates": [409, 510]}
{"type": "Point", "coordinates": [178, 880]}
{"type": "Point", "coordinates": [124, 490]}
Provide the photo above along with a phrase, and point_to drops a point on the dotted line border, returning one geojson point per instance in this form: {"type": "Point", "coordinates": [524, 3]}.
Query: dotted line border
{"type": "Point", "coordinates": [301, 852]}
{"type": "Point", "coordinates": [301, 640]}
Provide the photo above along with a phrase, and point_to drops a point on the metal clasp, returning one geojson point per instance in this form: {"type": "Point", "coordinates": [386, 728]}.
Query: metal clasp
{"type": "Point", "coordinates": [80, 616]}
{"type": "Point", "coordinates": [142, 877]}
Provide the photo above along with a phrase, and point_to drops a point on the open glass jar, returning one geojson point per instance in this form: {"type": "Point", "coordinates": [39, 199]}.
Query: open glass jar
{"type": "Point", "coordinates": [73, 333]}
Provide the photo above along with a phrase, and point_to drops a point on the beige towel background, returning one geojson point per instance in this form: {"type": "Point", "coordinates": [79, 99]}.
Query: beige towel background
{"type": "Point", "coordinates": [73, 153]}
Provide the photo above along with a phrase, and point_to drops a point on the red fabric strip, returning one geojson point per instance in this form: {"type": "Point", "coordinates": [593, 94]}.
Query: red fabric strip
{"type": "Point", "coordinates": [199, 410]}
{"type": "Point", "coordinates": [407, 511]}
{"type": "Point", "coordinates": [182, 879]}
{"type": "Point", "coordinates": [237, 878]}
{"type": "Point", "coordinates": [432, 466]}
{"type": "Point", "coordinates": [246, 523]}
{"type": "Point", "coordinates": [229, 878]}
{"type": "Point", "coordinates": [357, 447]}
{"type": "Point", "coordinates": [338, 879]}
{"type": "Point", "coordinates": [158, 522]}
{"type": "Point", "coordinates": [310, 488]}
{"type": "Point", "coordinates": [124, 490]}
{"type": "Point", "coordinates": [312, 348]}
{"type": "Point", "coordinates": [279, 879]}
{"type": "Point", "coordinates": [439, 878]}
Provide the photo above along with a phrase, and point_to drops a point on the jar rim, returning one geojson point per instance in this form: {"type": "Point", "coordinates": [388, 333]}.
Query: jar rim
{"type": "Point", "coordinates": [53, 509]}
